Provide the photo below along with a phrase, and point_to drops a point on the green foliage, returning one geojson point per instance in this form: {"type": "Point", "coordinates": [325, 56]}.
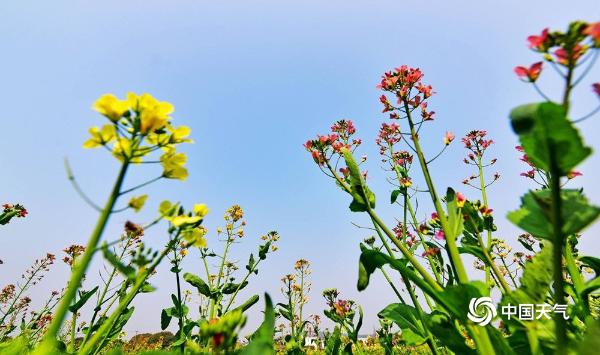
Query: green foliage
{"type": "Point", "coordinates": [408, 320]}
{"type": "Point", "coordinates": [361, 194]}
{"type": "Point", "coordinates": [534, 216]}
{"type": "Point", "coordinates": [262, 340]}
{"type": "Point", "coordinates": [543, 128]}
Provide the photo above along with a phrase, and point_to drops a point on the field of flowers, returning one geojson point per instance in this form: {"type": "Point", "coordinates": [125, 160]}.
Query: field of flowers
{"type": "Point", "coordinates": [539, 297]}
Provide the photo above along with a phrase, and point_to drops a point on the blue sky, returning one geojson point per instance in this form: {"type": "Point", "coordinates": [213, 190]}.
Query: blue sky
{"type": "Point", "coordinates": [254, 80]}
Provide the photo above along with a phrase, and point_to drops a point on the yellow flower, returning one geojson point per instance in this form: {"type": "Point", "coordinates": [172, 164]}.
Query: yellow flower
{"type": "Point", "coordinates": [100, 136]}
{"type": "Point", "coordinates": [111, 107]}
{"type": "Point", "coordinates": [173, 165]}
{"type": "Point", "coordinates": [195, 237]}
{"type": "Point", "coordinates": [180, 220]}
{"type": "Point", "coordinates": [123, 149]}
{"type": "Point", "coordinates": [180, 134]}
{"type": "Point", "coordinates": [167, 209]}
{"type": "Point", "coordinates": [200, 209]}
{"type": "Point", "coordinates": [137, 202]}
{"type": "Point", "coordinates": [153, 114]}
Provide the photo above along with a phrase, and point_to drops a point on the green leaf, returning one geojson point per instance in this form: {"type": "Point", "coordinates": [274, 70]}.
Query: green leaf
{"type": "Point", "coordinates": [147, 288]}
{"type": "Point", "coordinates": [457, 297]}
{"type": "Point", "coordinates": [543, 128]}
{"type": "Point", "coordinates": [408, 320]}
{"type": "Point", "coordinates": [165, 319]}
{"type": "Point", "coordinates": [127, 270]}
{"type": "Point", "coordinates": [455, 218]}
{"type": "Point", "coordinates": [395, 195]}
{"type": "Point", "coordinates": [473, 250]}
{"type": "Point", "coordinates": [534, 284]}
{"type": "Point", "coordinates": [246, 305]}
{"type": "Point", "coordinates": [198, 283]}
{"type": "Point", "coordinates": [84, 296]}
{"type": "Point", "coordinates": [231, 287]}
{"type": "Point", "coordinates": [334, 342]}
{"type": "Point", "coordinates": [534, 216]}
{"type": "Point", "coordinates": [360, 192]}
{"type": "Point", "coordinates": [444, 329]}
{"type": "Point", "coordinates": [262, 339]}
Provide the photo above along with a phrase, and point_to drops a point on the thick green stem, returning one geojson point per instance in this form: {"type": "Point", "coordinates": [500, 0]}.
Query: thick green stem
{"type": "Point", "coordinates": [559, 242]}
{"type": "Point", "coordinates": [81, 266]}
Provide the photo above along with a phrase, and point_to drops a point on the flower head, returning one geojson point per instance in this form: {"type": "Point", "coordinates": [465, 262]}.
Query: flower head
{"type": "Point", "coordinates": [531, 74]}
{"type": "Point", "coordinates": [111, 107]}
{"type": "Point", "coordinates": [539, 43]}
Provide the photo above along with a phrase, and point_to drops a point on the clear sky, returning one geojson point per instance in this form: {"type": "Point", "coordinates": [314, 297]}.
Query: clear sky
{"type": "Point", "coordinates": [254, 80]}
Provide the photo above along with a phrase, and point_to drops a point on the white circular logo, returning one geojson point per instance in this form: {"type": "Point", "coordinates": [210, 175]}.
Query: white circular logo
{"type": "Point", "coordinates": [481, 310]}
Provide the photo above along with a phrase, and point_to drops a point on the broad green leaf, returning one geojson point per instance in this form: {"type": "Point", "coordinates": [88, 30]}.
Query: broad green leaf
{"type": "Point", "coordinates": [262, 339]}
{"type": "Point", "coordinates": [395, 195]}
{"type": "Point", "coordinates": [84, 296]}
{"type": "Point", "coordinates": [444, 329]}
{"type": "Point", "coordinates": [231, 287]}
{"type": "Point", "coordinates": [473, 250]}
{"type": "Point", "coordinates": [246, 305]}
{"type": "Point", "coordinates": [165, 319]}
{"type": "Point", "coordinates": [457, 297]}
{"type": "Point", "coordinates": [535, 213]}
{"type": "Point", "coordinates": [544, 128]}
{"type": "Point", "coordinates": [407, 318]}
{"type": "Point", "coordinates": [198, 283]}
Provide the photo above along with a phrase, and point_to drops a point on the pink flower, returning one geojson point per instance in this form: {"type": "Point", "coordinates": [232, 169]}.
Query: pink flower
{"type": "Point", "coordinates": [593, 30]}
{"type": "Point", "coordinates": [529, 174]}
{"type": "Point", "coordinates": [460, 199]}
{"type": "Point", "coordinates": [573, 174]}
{"type": "Point", "coordinates": [448, 138]}
{"type": "Point", "coordinates": [532, 73]}
{"type": "Point", "coordinates": [439, 235]}
{"type": "Point", "coordinates": [538, 42]}
{"type": "Point", "coordinates": [563, 57]}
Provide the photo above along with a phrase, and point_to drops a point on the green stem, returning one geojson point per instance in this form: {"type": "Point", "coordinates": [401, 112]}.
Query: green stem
{"type": "Point", "coordinates": [461, 272]}
{"type": "Point", "coordinates": [557, 223]}
{"type": "Point", "coordinates": [100, 337]}
{"type": "Point", "coordinates": [485, 204]}
{"type": "Point", "coordinates": [103, 293]}
{"type": "Point", "coordinates": [81, 265]}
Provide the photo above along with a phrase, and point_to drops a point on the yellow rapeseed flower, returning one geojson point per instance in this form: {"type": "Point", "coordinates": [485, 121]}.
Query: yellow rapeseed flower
{"type": "Point", "coordinates": [137, 203]}
{"type": "Point", "coordinates": [153, 114]}
{"type": "Point", "coordinates": [100, 136]}
{"type": "Point", "coordinates": [111, 107]}
{"type": "Point", "coordinates": [181, 220]}
{"type": "Point", "coordinates": [195, 237]}
{"type": "Point", "coordinates": [200, 209]}
{"type": "Point", "coordinates": [173, 165]}
{"type": "Point", "coordinates": [180, 134]}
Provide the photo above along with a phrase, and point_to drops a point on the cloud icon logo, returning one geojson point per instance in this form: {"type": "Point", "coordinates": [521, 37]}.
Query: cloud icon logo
{"type": "Point", "coordinates": [481, 310]}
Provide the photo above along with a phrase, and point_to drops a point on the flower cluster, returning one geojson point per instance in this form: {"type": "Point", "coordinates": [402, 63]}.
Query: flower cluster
{"type": "Point", "coordinates": [72, 252]}
{"type": "Point", "coordinates": [409, 92]}
{"type": "Point", "coordinates": [187, 223]}
{"type": "Point", "coordinates": [477, 144]}
{"type": "Point", "coordinates": [339, 140]}
{"type": "Point", "coordinates": [389, 134]}
{"type": "Point", "coordinates": [140, 125]}
{"type": "Point", "coordinates": [567, 49]}
{"type": "Point", "coordinates": [344, 309]}
{"type": "Point", "coordinates": [9, 211]}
